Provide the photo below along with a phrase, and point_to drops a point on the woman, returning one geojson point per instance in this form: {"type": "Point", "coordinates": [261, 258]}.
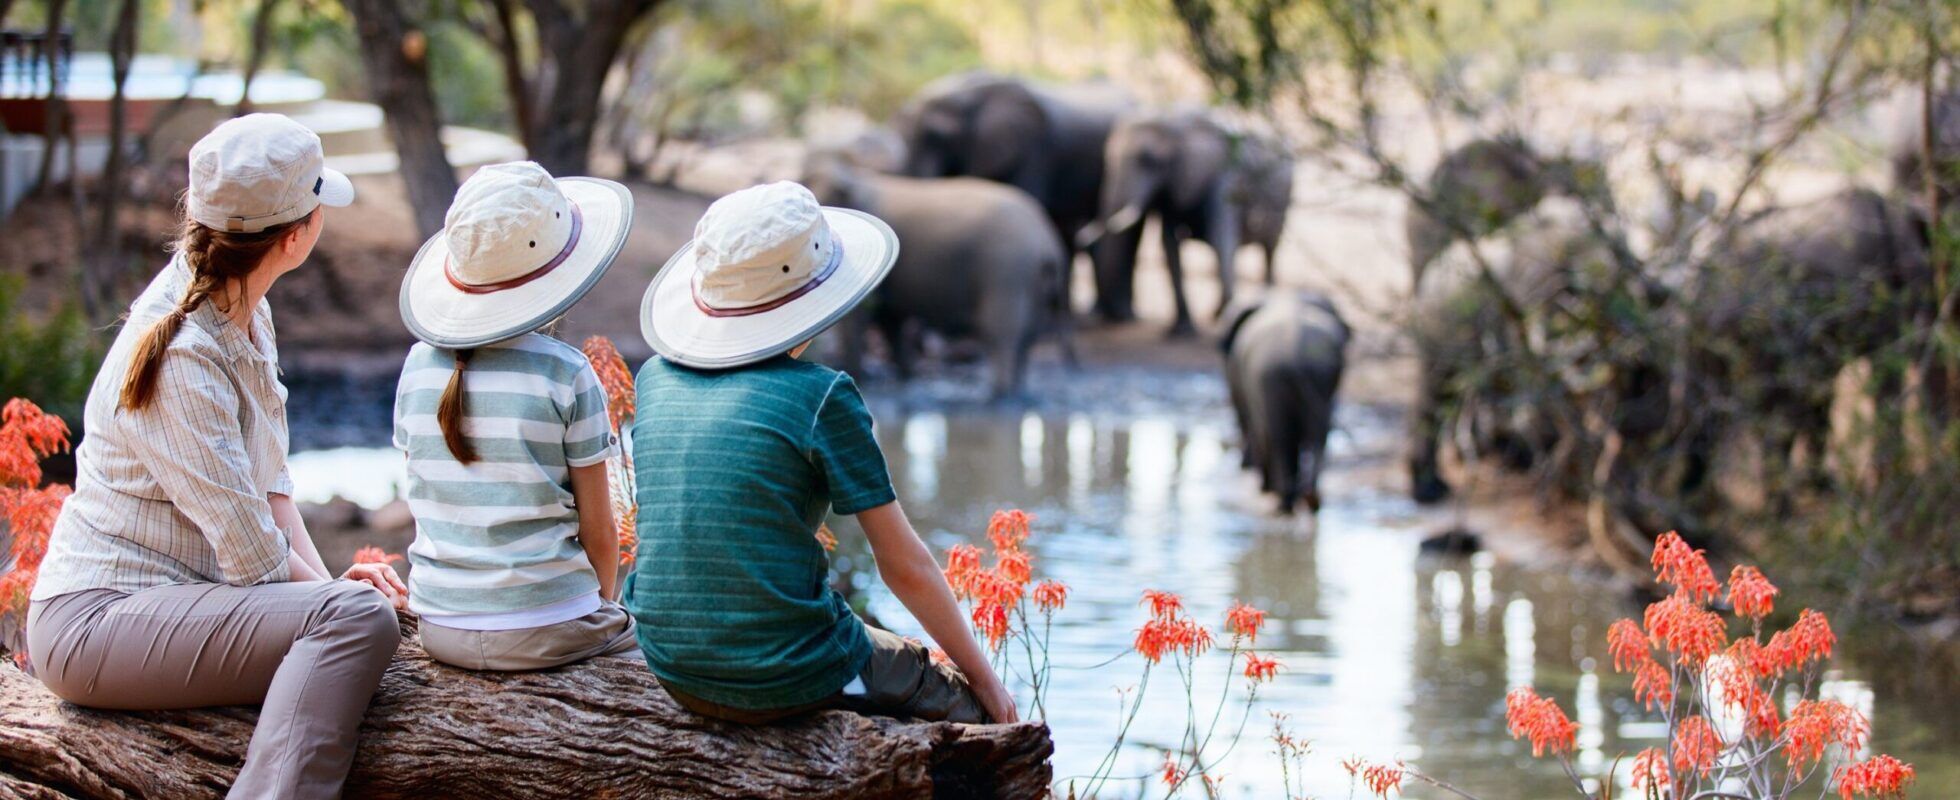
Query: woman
{"type": "Point", "coordinates": [179, 574]}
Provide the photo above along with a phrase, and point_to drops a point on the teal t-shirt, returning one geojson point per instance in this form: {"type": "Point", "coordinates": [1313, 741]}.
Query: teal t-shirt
{"type": "Point", "coordinates": [736, 469]}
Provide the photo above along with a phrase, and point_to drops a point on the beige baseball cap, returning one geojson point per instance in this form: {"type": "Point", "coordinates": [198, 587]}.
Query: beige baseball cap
{"type": "Point", "coordinates": [259, 170]}
{"type": "Point", "coordinates": [517, 249]}
{"type": "Point", "coordinates": [768, 269]}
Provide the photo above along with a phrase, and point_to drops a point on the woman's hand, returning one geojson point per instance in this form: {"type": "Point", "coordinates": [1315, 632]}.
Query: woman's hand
{"type": "Point", "coordinates": [383, 578]}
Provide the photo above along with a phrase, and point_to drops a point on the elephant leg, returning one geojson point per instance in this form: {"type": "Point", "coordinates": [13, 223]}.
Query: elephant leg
{"type": "Point", "coordinates": [1115, 261]}
{"type": "Point", "coordinates": [1272, 265]}
{"type": "Point", "coordinates": [1222, 232]}
{"type": "Point", "coordinates": [902, 343]}
{"type": "Point", "coordinates": [1284, 435]}
{"type": "Point", "coordinates": [1062, 317]}
{"type": "Point", "coordinates": [1320, 422]}
{"type": "Point", "coordinates": [1174, 264]}
{"type": "Point", "coordinates": [1426, 484]}
{"type": "Point", "coordinates": [1249, 456]}
{"type": "Point", "coordinates": [856, 326]}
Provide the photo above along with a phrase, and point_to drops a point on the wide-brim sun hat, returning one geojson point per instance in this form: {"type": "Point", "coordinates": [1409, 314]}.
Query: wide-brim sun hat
{"type": "Point", "coordinates": [517, 249]}
{"type": "Point", "coordinates": [768, 269]}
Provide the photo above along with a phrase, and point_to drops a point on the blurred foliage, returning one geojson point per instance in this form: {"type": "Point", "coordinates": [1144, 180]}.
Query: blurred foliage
{"type": "Point", "coordinates": [798, 54]}
{"type": "Point", "coordinates": [49, 360]}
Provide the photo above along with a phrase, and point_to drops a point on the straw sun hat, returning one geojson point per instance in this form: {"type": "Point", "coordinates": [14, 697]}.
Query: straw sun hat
{"type": "Point", "coordinates": [517, 249]}
{"type": "Point", "coordinates": [768, 269]}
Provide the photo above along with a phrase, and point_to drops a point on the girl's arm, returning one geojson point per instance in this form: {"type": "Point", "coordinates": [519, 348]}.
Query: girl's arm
{"type": "Point", "coordinates": [596, 531]}
{"type": "Point", "coordinates": [915, 577]}
{"type": "Point", "coordinates": [286, 513]}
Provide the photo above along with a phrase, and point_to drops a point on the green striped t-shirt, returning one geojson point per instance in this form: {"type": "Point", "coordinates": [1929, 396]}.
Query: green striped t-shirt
{"type": "Point", "coordinates": [500, 535]}
{"type": "Point", "coordinates": [736, 469]}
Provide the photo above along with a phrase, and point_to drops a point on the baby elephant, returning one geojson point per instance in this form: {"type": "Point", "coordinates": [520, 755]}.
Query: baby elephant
{"type": "Point", "coordinates": [1283, 359]}
{"type": "Point", "coordinates": [976, 259]}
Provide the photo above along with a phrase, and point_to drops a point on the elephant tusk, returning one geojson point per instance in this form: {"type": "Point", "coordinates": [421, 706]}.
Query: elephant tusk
{"type": "Point", "coordinates": [1124, 218]}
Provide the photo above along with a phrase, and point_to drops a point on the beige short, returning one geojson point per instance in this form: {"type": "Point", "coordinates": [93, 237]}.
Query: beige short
{"type": "Point", "coordinates": [608, 631]}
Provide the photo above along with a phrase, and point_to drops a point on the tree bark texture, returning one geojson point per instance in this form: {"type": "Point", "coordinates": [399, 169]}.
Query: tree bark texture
{"type": "Point", "coordinates": [578, 42]}
{"type": "Point", "coordinates": [395, 57]}
{"type": "Point", "coordinates": [600, 729]}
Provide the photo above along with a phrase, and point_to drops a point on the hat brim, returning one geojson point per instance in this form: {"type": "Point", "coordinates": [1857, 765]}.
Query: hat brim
{"type": "Point", "coordinates": [437, 312]}
{"type": "Point", "coordinates": [680, 331]}
{"type": "Point", "coordinates": [335, 189]}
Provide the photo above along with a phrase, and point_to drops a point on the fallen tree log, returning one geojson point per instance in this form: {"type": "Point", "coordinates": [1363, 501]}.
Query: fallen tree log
{"type": "Point", "coordinates": [600, 729]}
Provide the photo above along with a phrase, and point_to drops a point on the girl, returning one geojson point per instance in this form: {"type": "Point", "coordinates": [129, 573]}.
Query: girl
{"type": "Point", "coordinates": [179, 574]}
{"type": "Point", "coordinates": [505, 429]}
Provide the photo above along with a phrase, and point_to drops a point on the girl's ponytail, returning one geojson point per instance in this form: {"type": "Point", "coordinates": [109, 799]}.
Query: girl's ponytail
{"type": "Point", "coordinates": [140, 385]}
{"type": "Point", "coordinates": [449, 412]}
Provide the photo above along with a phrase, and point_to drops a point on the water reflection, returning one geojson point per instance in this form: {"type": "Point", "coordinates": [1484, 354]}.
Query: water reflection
{"type": "Point", "coordinates": [1387, 654]}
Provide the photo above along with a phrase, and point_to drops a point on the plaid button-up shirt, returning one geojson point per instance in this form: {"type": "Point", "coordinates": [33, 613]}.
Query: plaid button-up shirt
{"type": "Point", "coordinates": [177, 492]}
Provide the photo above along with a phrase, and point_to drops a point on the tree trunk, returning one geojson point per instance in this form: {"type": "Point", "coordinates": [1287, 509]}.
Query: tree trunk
{"type": "Point", "coordinates": [577, 50]}
{"type": "Point", "coordinates": [503, 37]}
{"type": "Point", "coordinates": [604, 728]}
{"type": "Point", "coordinates": [102, 264]}
{"type": "Point", "coordinates": [255, 57]}
{"type": "Point", "coordinates": [54, 122]}
{"type": "Point", "coordinates": [394, 56]}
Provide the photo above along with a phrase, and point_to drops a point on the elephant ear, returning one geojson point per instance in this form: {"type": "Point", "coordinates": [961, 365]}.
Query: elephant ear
{"type": "Point", "coordinates": [1006, 125]}
{"type": "Point", "coordinates": [1232, 318]}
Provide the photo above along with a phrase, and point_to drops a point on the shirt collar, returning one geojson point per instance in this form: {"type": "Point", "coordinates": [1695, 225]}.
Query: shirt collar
{"type": "Point", "coordinates": [231, 339]}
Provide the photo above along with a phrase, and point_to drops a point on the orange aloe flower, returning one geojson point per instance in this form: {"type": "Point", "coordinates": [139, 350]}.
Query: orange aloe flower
{"type": "Point", "coordinates": [826, 538]}
{"type": "Point", "coordinates": [613, 376]}
{"type": "Point", "coordinates": [1653, 687]}
{"type": "Point", "coordinates": [1751, 594]}
{"type": "Point", "coordinates": [1015, 565]}
{"type": "Point", "coordinates": [1540, 720]}
{"type": "Point", "coordinates": [1881, 777]}
{"type": "Point", "coordinates": [1628, 645]}
{"type": "Point", "coordinates": [1684, 567]}
{"type": "Point", "coordinates": [990, 619]}
{"type": "Point", "coordinates": [1244, 620]}
{"type": "Point", "coordinates": [1817, 724]}
{"type": "Point", "coordinates": [1050, 595]}
{"type": "Point", "coordinates": [1650, 770]}
{"type": "Point", "coordinates": [1383, 778]}
{"type": "Point", "coordinates": [1172, 773]}
{"type": "Point", "coordinates": [1163, 605]}
{"type": "Point", "coordinates": [963, 570]}
{"type": "Point", "coordinates": [629, 537]}
{"type": "Point", "coordinates": [375, 555]}
{"type": "Point", "coordinates": [1740, 691]}
{"type": "Point", "coordinates": [1696, 746]}
{"type": "Point", "coordinates": [1260, 670]}
{"type": "Point", "coordinates": [1686, 629]}
{"type": "Point", "coordinates": [1008, 529]}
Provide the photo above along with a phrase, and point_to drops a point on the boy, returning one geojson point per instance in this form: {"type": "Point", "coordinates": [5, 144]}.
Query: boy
{"type": "Point", "coordinates": [741, 449]}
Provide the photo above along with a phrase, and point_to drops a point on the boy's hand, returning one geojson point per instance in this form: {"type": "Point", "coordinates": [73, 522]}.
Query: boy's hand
{"type": "Point", "coordinates": [995, 699]}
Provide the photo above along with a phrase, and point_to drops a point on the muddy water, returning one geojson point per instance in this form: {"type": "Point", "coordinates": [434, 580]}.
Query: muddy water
{"type": "Point", "coordinates": [1389, 654]}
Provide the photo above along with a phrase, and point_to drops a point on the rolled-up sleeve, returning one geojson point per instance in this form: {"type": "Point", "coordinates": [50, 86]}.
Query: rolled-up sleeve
{"type": "Point", "coordinates": [195, 450]}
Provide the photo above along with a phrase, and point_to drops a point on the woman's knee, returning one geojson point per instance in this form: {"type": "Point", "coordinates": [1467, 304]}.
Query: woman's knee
{"type": "Point", "coordinates": [364, 612]}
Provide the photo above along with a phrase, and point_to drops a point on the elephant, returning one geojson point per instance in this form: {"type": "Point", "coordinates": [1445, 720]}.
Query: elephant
{"type": "Point", "coordinates": [1266, 195]}
{"type": "Point", "coordinates": [1284, 354]}
{"type": "Point", "coordinates": [1200, 179]}
{"type": "Point", "coordinates": [1478, 188]}
{"type": "Point", "coordinates": [976, 259]}
{"type": "Point", "coordinates": [1908, 162]}
{"type": "Point", "coordinates": [1547, 262]}
{"type": "Point", "coordinates": [1046, 140]}
{"type": "Point", "coordinates": [1800, 292]}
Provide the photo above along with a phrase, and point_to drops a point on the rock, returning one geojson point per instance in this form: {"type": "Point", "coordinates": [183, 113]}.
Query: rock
{"type": "Point", "coordinates": [603, 728]}
{"type": "Point", "coordinates": [1452, 542]}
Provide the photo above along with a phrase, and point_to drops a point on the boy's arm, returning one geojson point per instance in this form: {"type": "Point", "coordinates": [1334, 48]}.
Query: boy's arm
{"type": "Point", "coordinates": [596, 531]}
{"type": "Point", "coordinates": [914, 576]}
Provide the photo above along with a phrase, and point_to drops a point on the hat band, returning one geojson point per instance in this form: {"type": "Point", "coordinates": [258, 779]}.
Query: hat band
{"type": "Point", "coordinates": [829, 268]}
{"type": "Point", "coordinates": [571, 243]}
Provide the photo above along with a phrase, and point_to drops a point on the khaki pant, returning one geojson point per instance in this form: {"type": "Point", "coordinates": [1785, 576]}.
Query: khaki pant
{"type": "Point", "coordinates": [900, 680]}
{"type": "Point", "coordinates": [311, 654]}
{"type": "Point", "coordinates": [608, 631]}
